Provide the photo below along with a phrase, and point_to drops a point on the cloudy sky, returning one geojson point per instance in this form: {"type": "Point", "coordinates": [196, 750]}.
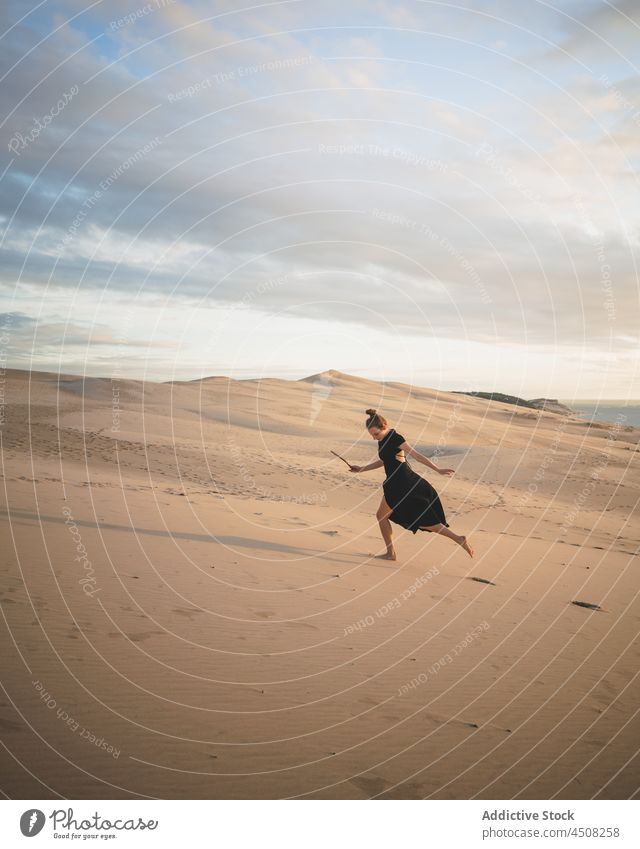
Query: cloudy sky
{"type": "Point", "coordinates": [443, 194]}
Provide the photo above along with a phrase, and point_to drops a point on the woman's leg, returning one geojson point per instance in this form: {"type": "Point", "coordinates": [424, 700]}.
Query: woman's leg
{"type": "Point", "coordinates": [384, 511]}
{"type": "Point", "coordinates": [447, 532]}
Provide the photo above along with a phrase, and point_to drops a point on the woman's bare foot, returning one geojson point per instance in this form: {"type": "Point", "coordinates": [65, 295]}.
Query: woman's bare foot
{"type": "Point", "coordinates": [390, 555]}
{"type": "Point", "coordinates": [467, 546]}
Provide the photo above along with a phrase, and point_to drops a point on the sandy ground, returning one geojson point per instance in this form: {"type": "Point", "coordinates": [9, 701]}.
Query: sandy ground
{"type": "Point", "coordinates": [192, 606]}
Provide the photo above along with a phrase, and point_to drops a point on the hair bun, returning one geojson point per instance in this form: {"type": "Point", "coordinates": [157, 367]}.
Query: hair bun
{"type": "Point", "coordinates": [371, 412]}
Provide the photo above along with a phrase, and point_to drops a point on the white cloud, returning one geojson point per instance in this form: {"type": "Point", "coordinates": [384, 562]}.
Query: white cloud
{"type": "Point", "coordinates": [275, 171]}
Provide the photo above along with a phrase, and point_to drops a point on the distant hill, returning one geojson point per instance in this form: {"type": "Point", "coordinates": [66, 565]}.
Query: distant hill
{"type": "Point", "coordinates": [549, 405]}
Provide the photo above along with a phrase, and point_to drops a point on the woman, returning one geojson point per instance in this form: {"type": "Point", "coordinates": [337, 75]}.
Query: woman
{"type": "Point", "coordinates": [409, 500]}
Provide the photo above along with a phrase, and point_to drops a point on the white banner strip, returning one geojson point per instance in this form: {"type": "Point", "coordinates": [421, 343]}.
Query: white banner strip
{"type": "Point", "coordinates": [319, 824]}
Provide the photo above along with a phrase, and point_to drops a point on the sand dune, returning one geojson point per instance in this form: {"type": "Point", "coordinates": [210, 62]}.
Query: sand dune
{"type": "Point", "coordinates": [193, 609]}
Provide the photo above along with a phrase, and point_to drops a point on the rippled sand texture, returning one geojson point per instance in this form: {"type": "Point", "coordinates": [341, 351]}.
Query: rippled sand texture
{"type": "Point", "coordinates": [192, 607]}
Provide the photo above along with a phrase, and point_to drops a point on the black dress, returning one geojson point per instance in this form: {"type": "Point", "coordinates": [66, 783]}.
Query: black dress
{"type": "Point", "coordinates": [413, 500]}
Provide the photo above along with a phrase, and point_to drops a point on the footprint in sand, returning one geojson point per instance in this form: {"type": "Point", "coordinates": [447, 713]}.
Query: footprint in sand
{"type": "Point", "coordinates": [410, 790]}
{"type": "Point", "coordinates": [188, 612]}
{"type": "Point", "coordinates": [137, 637]}
{"type": "Point", "coordinates": [142, 635]}
{"type": "Point", "coordinates": [371, 785]}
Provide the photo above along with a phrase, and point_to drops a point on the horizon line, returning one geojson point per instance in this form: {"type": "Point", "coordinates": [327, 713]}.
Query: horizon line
{"type": "Point", "coordinates": [112, 377]}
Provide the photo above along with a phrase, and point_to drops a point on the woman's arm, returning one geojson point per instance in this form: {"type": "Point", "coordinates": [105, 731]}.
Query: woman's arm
{"type": "Point", "coordinates": [375, 465]}
{"type": "Point", "coordinates": [422, 459]}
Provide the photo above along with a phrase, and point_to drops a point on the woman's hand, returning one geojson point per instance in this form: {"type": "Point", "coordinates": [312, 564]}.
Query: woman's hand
{"type": "Point", "coordinates": [446, 472]}
{"type": "Point", "coordinates": [355, 468]}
